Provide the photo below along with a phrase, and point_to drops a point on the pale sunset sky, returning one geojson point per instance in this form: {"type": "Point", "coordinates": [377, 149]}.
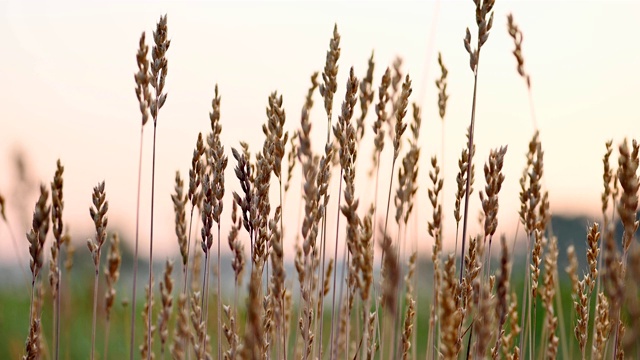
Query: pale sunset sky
{"type": "Point", "coordinates": [67, 91]}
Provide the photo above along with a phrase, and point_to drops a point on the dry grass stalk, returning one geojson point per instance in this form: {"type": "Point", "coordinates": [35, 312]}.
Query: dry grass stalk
{"type": "Point", "coordinates": [194, 194]}
{"type": "Point", "coordinates": [38, 234]}
{"type": "Point", "coordinates": [489, 198]}
{"type": "Point", "coordinates": [254, 334]}
{"type": "Point", "coordinates": [304, 133]}
{"type": "Point", "coordinates": [434, 228]}
{"type": "Point", "coordinates": [237, 248]}
{"type": "Point", "coordinates": [327, 90]}
{"type": "Point", "coordinates": [547, 294]}
{"type": "Point", "coordinates": [607, 193]}
{"type": "Point", "coordinates": [602, 326]}
{"type": "Point", "coordinates": [111, 274]}
{"type": "Point", "coordinates": [450, 313]}
{"type": "Point", "coordinates": [411, 307]}
{"type": "Point", "coordinates": [441, 84]}
{"type": "Point", "coordinates": [179, 202]}
{"type": "Point", "coordinates": [57, 205]}
{"type": "Point", "coordinates": [400, 112]}
{"type": "Point", "coordinates": [329, 84]}
{"type": "Point", "coordinates": [182, 334]}
{"type": "Point", "coordinates": [323, 178]}
{"type": "Point", "coordinates": [572, 268]}
{"type": "Point", "coordinates": [461, 180]}
{"type": "Point", "coordinates": [516, 35]}
{"type": "Point", "coordinates": [277, 281]}
{"type": "Point", "coordinates": [309, 233]}
{"type": "Point", "coordinates": [628, 206]}
{"type": "Point", "coordinates": [32, 346]}
{"type": "Point", "coordinates": [381, 118]}
{"type": "Point", "coordinates": [408, 173]}
{"type": "Point", "coordinates": [483, 9]}
{"type": "Point", "coordinates": [166, 296]}
{"type": "Point", "coordinates": [582, 318]}
{"type": "Point", "coordinates": [345, 133]}
{"type": "Point", "coordinates": [366, 277]}
{"type": "Point", "coordinates": [244, 174]}
{"type": "Point", "coordinates": [400, 127]}
{"type": "Point", "coordinates": [146, 348]}
{"type": "Point", "coordinates": [390, 274]}
{"type": "Point", "coordinates": [619, 349]}
{"type": "Point", "coordinates": [366, 98]}
{"type": "Point", "coordinates": [206, 243]}
{"type": "Point", "coordinates": [99, 215]}
{"type": "Point", "coordinates": [292, 155]}
{"type": "Point", "coordinates": [157, 79]}
{"type": "Point", "coordinates": [231, 334]}
{"type": "Point", "coordinates": [465, 296]}
{"type": "Point", "coordinates": [396, 80]}
{"type": "Point", "coordinates": [408, 328]}
{"type": "Point", "coordinates": [142, 79]}
{"type": "Point", "coordinates": [218, 161]}
{"type": "Point", "coordinates": [502, 296]}
{"type": "Point", "coordinates": [443, 96]}
{"type": "Point", "coordinates": [508, 338]}
{"type": "Point", "coordinates": [200, 339]}
{"type": "Point", "coordinates": [483, 324]}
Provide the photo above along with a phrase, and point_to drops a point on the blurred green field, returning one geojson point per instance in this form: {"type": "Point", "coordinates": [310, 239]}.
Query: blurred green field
{"type": "Point", "coordinates": [75, 342]}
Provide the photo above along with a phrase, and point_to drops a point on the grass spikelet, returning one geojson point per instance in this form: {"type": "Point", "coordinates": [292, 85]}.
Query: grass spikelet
{"type": "Point", "coordinates": [408, 328]}
{"type": "Point", "coordinates": [628, 207]}
{"type": "Point", "coordinates": [381, 118]}
{"type": "Point", "coordinates": [57, 205]}
{"type": "Point", "coordinates": [166, 296]}
{"type": "Point", "coordinates": [32, 346]}
{"type": "Point", "coordinates": [450, 315]}
{"type": "Point", "coordinates": [516, 35]}
{"type": "Point", "coordinates": [366, 97]}
{"type": "Point", "coordinates": [182, 334]}
{"type": "Point", "coordinates": [602, 326]}
{"type": "Point", "coordinates": [329, 76]}
{"type": "Point", "coordinates": [179, 202]}
{"type": "Point", "coordinates": [502, 296]}
{"type": "Point", "coordinates": [99, 215]}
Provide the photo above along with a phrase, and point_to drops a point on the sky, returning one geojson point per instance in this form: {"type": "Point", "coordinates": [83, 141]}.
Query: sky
{"type": "Point", "coordinates": [66, 92]}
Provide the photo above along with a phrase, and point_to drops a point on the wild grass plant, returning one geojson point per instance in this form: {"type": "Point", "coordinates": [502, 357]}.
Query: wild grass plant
{"type": "Point", "coordinates": [473, 310]}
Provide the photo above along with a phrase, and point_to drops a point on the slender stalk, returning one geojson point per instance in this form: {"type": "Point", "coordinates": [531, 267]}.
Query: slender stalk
{"type": "Point", "coordinates": [525, 297]}
{"type": "Point", "coordinates": [282, 320]}
{"type": "Point", "coordinates": [57, 315]}
{"type": "Point", "coordinates": [205, 295]}
{"type": "Point", "coordinates": [150, 290]}
{"type": "Point", "coordinates": [186, 267]}
{"type": "Point", "coordinates": [335, 323]}
{"type": "Point", "coordinates": [135, 253]}
{"type": "Point", "coordinates": [322, 275]}
{"type": "Point", "coordinates": [95, 308]}
{"type": "Point", "coordinates": [468, 185]}
{"type": "Point", "coordinates": [142, 79]}
{"type": "Point", "coordinates": [219, 334]}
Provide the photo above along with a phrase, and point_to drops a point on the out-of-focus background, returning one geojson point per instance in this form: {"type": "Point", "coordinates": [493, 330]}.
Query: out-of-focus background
{"type": "Point", "coordinates": [66, 92]}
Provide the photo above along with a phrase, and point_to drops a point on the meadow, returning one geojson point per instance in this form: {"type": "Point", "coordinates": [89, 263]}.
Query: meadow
{"type": "Point", "coordinates": [361, 289]}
